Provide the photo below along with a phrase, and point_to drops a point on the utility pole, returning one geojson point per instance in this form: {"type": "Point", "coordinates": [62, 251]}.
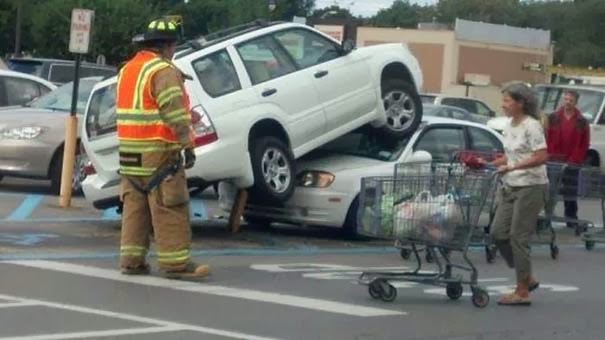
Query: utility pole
{"type": "Point", "coordinates": [18, 29]}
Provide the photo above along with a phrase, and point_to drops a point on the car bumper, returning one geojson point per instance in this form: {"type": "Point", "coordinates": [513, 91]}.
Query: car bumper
{"type": "Point", "coordinates": [103, 194]}
{"type": "Point", "coordinates": [223, 160]}
{"type": "Point", "coordinates": [27, 158]}
{"type": "Point", "coordinates": [308, 206]}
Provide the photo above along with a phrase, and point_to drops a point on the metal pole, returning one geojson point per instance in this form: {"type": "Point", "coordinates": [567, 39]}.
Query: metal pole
{"type": "Point", "coordinates": [71, 136]}
{"type": "Point", "coordinates": [18, 28]}
{"type": "Point", "coordinates": [74, 96]}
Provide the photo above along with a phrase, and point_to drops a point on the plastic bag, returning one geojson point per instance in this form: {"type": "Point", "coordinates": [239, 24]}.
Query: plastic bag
{"type": "Point", "coordinates": [431, 218]}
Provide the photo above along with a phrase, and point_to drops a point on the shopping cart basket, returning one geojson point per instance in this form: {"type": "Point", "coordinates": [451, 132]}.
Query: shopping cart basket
{"type": "Point", "coordinates": [435, 206]}
{"type": "Point", "coordinates": [463, 161]}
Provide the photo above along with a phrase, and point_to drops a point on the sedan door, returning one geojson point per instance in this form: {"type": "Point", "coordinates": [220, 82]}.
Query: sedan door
{"type": "Point", "coordinates": [343, 81]}
{"type": "Point", "coordinates": [282, 89]}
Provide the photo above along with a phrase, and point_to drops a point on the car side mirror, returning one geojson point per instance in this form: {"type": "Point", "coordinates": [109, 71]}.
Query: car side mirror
{"type": "Point", "coordinates": [420, 156]}
{"type": "Point", "coordinates": [348, 46]}
{"type": "Point", "coordinates": [492, 114]}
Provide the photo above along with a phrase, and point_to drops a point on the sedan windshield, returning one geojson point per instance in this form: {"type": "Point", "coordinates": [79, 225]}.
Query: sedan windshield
{"type": "Point", "coordinates": [367, 143]}
{"type": "Point", "coordinates": [60, 99]}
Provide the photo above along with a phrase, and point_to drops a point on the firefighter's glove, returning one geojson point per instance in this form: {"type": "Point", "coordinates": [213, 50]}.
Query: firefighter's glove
{"type": "Point", "coordinates": [189, 158]}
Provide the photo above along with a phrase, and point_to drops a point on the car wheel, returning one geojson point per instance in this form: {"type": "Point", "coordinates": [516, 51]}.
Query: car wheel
{"type": "Point", "coordinates": [274, 170]}
{"type": "Point", "coordinates": [57, 168]}
{"type": "Point", "coordinates": [349, 228]}
{"type": "Point", "coordinates": [592, 159]}
{"type": "Point", "coordinates": [403, 108]}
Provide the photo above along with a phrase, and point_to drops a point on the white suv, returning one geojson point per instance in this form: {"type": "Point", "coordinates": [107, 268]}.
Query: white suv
{"type": "Point", "coordinates": [263, 95]}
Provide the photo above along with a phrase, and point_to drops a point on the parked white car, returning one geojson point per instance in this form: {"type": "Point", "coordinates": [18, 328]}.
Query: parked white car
{"type": "Point", "coordinates": [271, 93]}
{"type": "Point", "coordinates": [328, 184]}
{"type": "Point", "coordinates": [472, 105]}
{"type": "Point", "coordinates": [18, 88]}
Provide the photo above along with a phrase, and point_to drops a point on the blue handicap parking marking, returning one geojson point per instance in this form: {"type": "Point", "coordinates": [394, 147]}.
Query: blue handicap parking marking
{"type": "Point", "coordinates": [25, 239]}
{"type": "Point", "coordinates": [197, 208]}
{"type": "Point", "coordinates": [26, 208]}
{"type": "Point", "coordinates": [111, 214]}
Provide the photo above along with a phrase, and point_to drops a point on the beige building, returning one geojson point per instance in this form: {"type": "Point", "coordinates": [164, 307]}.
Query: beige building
{"type": "Point", "coordinates": [486, 55]}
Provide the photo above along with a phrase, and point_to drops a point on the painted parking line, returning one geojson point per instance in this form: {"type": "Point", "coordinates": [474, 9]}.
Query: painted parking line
{"type": "Point", "coordinates": [198, 211]}
{"type": "Point", "coordinates": [201, 288]}
{"type": "Point", "coordinates": [156, 325]}
{"type": "Point", "coordinates": [26, 208]}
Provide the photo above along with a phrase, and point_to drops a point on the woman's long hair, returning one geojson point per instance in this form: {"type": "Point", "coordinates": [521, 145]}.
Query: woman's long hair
{"type": "Point", "coordinates": [522, 93]}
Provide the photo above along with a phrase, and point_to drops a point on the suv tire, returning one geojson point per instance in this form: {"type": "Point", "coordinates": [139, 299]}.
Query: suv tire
{"type": "Point", "coordinates": [274, 170]}
{"type": "Point", "coordinates": [403, 108]}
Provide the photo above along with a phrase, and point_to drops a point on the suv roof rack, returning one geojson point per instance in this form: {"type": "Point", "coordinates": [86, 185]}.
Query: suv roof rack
{"type": "Point", "coordinates": [222, 35]}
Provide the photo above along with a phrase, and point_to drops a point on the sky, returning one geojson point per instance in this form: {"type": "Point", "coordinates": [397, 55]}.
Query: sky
{"type": "Point", "coordinates": [364, 7]}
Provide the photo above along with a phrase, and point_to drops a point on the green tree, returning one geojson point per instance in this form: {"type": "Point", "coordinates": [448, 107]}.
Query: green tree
{"type": "Point", "coordinates": [400, 14]}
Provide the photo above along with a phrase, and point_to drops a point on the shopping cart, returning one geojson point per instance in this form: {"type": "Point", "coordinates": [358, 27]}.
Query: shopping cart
{"type": "Point", "coordinates": [571, 182]}
{"type": "Point", "coordinates": [461, 161]}
{"type": "Point", "coordinates": [435, 206]}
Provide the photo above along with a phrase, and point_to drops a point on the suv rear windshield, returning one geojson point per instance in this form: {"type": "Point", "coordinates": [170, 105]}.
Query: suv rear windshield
{"type": "Point", "coordinates": [26, 66]}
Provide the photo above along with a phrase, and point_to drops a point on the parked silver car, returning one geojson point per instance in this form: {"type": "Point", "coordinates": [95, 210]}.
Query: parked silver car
{"type": "Point", "coordinates": [32, 136]}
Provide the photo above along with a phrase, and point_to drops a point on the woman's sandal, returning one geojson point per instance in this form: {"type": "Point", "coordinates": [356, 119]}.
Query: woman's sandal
{"type": "Point", "coordinates": [514, 299]}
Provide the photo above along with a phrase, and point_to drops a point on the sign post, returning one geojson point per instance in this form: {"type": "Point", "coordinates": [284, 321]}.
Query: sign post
{"type": "Point", "coordinates": [79, 43]}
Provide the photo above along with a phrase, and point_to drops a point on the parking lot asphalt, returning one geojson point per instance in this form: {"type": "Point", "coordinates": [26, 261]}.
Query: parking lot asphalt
{"type": "Point", "coordinates": [279, 283]}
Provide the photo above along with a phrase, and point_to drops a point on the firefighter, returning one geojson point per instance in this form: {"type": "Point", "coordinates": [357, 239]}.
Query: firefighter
{"type": "Point", "coordinates": [154, 127]}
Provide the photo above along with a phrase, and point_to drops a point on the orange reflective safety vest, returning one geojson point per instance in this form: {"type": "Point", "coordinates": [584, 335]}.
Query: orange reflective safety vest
{"type": "Point", "coordinates": [140, 126]}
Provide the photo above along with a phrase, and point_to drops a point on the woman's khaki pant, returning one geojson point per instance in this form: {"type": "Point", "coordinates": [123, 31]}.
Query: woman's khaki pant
{"type": "Point", "coordinates": [516, 219]}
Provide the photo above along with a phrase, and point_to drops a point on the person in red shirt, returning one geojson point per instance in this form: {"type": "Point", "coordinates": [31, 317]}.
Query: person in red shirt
{"type": "Point", "coordinates": [568, 139]}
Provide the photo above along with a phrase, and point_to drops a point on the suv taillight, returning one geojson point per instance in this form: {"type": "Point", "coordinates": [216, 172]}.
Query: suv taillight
{"type": "Point", "coordinates": [202, 127]}
{"type": "Point", "coordinates": [89, 169]}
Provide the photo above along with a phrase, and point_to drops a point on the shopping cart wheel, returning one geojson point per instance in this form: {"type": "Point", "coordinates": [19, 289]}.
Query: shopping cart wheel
{"type": "Point", "coordinates": [389, 293]}
{"type": "Point", "coordinates": [480, 297]}
{"type": "Point", "coordinates": [454, 290]}
{"type": "Point", "coordinates": [490, 254]}
{"type": "Point", "coordinates": [554, 251]}
{"type": "Point", "coordinates": [405, 254]}
{"type": "Point", "coordinates": [374, 291]}
{"type": "Point", "coordinates": [429, 256]}
{"type": "Point", "coordinates": [590, 245]}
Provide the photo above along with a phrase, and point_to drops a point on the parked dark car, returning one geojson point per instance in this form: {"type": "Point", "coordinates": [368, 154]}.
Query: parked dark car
{"type": "Point", "coordinates": [59, 71]}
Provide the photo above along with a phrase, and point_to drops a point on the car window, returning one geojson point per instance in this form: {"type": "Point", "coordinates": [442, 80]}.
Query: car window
{"type": "Point", "coordinates": [442, 142]}
{"type": "Point", "coordinates": [217, 74]}
{"type": "Point", "coordinates": [26, 66]}
{"type": "Point", "coordinates": [20, 91]}
{"type": "Point", "coordinates": [481, 108]}
{"type": "Point", "coordinates": [61, 73]}
{"type": "Point", "coordinates": [484, 141]}
{"type": "Point", "coordinates": [364, 142]}
{"type": "Point", "coordinates": [307, 48]}
{"type": "Point", "coordinates": [457, 114]}
{"type": "Point", "coordinates": [466, 104]}
{"type": "Point", "coordinates": [590, 103]}
{"type": "Point", "coordinates": [550, 100]}
{"type": "Point", "coordinates": [87, 71]}
{"type": "Point", "coordinates": [265, 60]}
{"type": "Point", "coordinates": [427, 99]}
{"type": "Point", "coordinates": [101, 117]}
{"type": "Point", "coordinates": [60, 99]}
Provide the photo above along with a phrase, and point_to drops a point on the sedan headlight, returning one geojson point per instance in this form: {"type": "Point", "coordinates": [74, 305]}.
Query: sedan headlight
{"type": "Point", "coordinates": [315, 179]}
{"type": "Point", "coordinates": [26, 132]}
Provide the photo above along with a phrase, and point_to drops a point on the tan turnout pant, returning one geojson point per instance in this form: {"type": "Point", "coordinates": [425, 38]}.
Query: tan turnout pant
{"type": "Point", "coordinates": [515, 221]}
{"type": "Point", "coordinates": [166, 210]}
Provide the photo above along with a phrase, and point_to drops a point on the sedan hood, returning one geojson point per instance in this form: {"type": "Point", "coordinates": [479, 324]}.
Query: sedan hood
{"type": "Point", "coordinates": [334, 162]}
